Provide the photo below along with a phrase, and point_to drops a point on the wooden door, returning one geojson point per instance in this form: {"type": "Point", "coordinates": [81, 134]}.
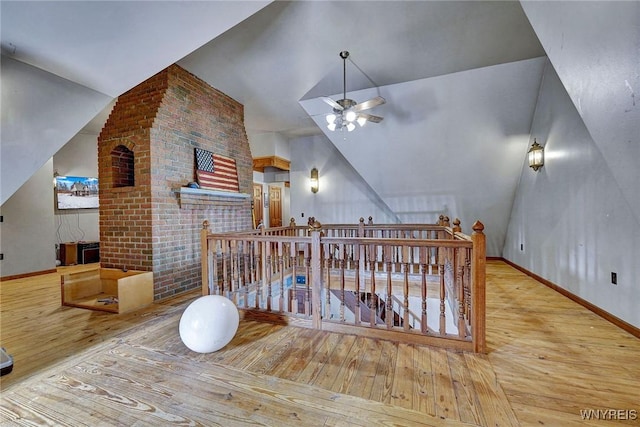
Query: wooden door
{"type": "Point", "coordinates": [275, 207]}
{"type": "Point", "coordinates": [257, 204]}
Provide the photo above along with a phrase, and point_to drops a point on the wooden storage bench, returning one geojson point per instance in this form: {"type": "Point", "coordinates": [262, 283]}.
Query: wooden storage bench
{"type": "Point", "coordinates": [107, 289]}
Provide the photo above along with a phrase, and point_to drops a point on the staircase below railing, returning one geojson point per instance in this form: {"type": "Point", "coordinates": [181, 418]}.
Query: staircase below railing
{"type": "Point", "coordinates": [419, 283]}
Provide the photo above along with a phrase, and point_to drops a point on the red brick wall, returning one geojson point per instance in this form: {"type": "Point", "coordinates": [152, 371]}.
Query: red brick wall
{"type": "Point", "coordinates": [146, 227]}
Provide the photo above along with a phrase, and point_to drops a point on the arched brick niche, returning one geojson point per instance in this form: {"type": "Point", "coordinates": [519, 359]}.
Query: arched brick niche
{"type": "Point", "coordinates": [122, 171]}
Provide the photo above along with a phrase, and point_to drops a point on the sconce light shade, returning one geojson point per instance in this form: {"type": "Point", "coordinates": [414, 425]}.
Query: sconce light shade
{"type": "Point", "coordinates": [536, 156]}
{"type": "Point", "coordinates": [314, 180]}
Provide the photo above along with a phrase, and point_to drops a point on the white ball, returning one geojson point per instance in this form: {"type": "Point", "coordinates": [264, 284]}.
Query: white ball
{"type": "Point", "coordinates": [209, 323]}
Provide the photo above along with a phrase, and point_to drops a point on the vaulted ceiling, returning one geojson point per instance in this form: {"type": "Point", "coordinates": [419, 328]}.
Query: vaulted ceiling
{"type": "Point", "coordinates": [461, 80]}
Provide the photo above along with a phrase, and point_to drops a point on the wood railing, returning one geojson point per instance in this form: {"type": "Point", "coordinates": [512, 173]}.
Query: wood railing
{"type": "Point", "coordinates": [421, 283]}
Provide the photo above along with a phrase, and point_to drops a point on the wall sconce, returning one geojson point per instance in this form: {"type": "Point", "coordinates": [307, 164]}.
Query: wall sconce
{"type": "Point", "coordinates": [314, 180]}
{"type": "Point", "coordinates": [536, 156]}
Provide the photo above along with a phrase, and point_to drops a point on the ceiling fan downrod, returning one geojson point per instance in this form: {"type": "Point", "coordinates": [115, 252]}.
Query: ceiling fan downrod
{"type": "Point", "coordinates": [344, 55]}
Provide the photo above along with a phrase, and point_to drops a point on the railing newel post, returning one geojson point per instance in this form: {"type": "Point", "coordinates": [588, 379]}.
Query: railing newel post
{"type": "Point", "coordinates": [478, 273]}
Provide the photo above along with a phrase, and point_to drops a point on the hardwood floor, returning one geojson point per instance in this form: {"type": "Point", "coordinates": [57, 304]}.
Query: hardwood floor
{"type": "Point", "coordinates": [549, 359]}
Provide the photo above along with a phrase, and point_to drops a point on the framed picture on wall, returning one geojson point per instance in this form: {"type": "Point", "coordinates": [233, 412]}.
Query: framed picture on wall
{"type": "Point", "coordinates": [76, 192]}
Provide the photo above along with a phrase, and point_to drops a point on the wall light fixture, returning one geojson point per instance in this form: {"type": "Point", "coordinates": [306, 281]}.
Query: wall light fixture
{"type": "Point", "coordinates": [315, 183]}
{"type": "Point", "coordinates": [536, 156]}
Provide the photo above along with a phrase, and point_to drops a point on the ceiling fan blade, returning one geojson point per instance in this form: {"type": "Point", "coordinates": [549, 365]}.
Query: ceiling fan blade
{"type": "Point", "coordinates": [332, 103]}
{"type": "Point", "coordinates": [371, 117]}
{"type": "Point", "coordinates": [373, 102]}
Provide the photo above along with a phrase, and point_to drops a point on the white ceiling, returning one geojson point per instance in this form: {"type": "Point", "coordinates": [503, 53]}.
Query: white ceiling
{"type": "Point", "coordinates": [267, 58]}
{"type": "Point", "coordinates": [289, 51]}
{"type": "Point", "coordinates": [440, 64]}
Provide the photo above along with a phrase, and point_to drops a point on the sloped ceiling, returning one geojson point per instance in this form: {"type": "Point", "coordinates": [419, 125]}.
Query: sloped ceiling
{"type": "Point", "coordinates": [420, 54]}
{"type": "Point", "coordinates": [454, 144]}
{"type": "Point", "coordinates": [77, 56]}
{"type": "Point", "coordinates": [289, 51]}
{"type": "Point", "coordinates": [595, 49]}
{"type": "Point", "coordinates": [112, 46]}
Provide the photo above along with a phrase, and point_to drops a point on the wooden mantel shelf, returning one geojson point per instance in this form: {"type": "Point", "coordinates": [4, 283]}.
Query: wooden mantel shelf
{"type": "Point", "coordinates": [198, 198]}
{"type": "Point", "coordinates": [259, 163]}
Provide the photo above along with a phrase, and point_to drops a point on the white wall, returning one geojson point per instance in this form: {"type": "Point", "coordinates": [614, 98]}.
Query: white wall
{"type": "Point", "coordinates": [27, 230]}
{"type": "Point", "coordinates": [40, 113]}
{"type": "Point", "coordinates": [79, 157]}
{"type": "Point", "coordinates": [343, 196]}
{"type": "Point", "coordinates": [264, 144]}
{"type": "Point", "coordinates": [571, 217]}
{"type": "Point", "coordinates": [594, 47]}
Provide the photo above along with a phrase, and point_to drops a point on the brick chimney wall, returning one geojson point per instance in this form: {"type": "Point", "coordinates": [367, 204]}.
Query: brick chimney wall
{"type": "Point", "coordinates": [150, 226]}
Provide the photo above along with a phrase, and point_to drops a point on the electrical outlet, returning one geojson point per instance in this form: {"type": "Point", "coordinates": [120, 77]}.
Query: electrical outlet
{"type": "Point", "coordinates": [1, 257]}
{"type": "Point", "coordinates": [614, 278]}
{"type": "Point", "coordinates": [1, 218]}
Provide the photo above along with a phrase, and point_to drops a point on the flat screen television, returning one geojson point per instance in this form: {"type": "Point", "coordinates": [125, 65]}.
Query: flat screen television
{"type": "Point", "coordinates": [76, 192]}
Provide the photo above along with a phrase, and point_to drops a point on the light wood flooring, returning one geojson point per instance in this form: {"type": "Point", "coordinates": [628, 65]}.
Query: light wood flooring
{"type": "Point", "coordinates": [548, 360]}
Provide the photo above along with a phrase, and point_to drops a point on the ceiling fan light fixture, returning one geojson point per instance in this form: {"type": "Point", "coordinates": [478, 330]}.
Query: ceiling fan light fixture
{"type": "Point", "coordinates": [350, 116]}
{"type": "Point", "coordinates": [346, 112]}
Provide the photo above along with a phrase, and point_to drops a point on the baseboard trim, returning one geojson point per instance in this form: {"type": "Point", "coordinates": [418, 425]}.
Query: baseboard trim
{"type": "Point", "coordinates": [22, 276]}
{"type": "Point", "coordinates": [594, 308]}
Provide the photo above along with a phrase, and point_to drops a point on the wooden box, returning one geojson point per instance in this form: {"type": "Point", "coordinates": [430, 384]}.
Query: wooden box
{"type": "Point", "coordinates": [68, 253]}
{"type": "Point", "coordinates": [108, 289]}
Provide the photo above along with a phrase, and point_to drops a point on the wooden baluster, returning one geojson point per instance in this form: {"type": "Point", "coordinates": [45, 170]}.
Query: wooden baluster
{"type": "Point", "coordinates": [328, 256]}
{"type": "Point", "coordinates": [385, 235]}
{"type": "Point", "coordinates": [275, 267]}
{"type": "Point", "coordinates": [373, 302]}
{"type": "Point", "coordinates": [316, 271]}
{"type": "Point", "coordinates": [424, 254]}
{"type": "Point", "coordinates": [467, 287]}
{"type": "Point", "coordinates": [206, 247]}
{"type": "Point", "coordinates": [459, 288]}
{"type": "Point", "coordinates": [281, 306]}
{"type": "Point", "coordinates": [232, 293]}
{"type": "Point", "coordinates": [268, 274]}
{"type": "Point", "coordinates": [405, 258]}
{"type": "Point", "coordinates": [307, 257]}
{"type": "Point", "coordinates": [342, 262]}
{"type": "Point", "coordinates": [394, 234]}
{"type": "Point", "coordinates": [251, 262]}
{"type": "Point", "coordinates": [388, 259]}
{"type": "Point", "coordinates": [358, 251]}
{"type": "Point", "coordinates": [211, 280]}
{"type": "Point", "coordinates": [415, 254]}
{"type": "Point", "coordinates": [293, 301]}
{"type": "Point", "coordinates": [443, 324]}
{"type": "Point", "coordinates": [225, 266]}
{"type": "Point", "coordinates": [257, 266]}
{"type": "Point", "coordinates": [352, 250]}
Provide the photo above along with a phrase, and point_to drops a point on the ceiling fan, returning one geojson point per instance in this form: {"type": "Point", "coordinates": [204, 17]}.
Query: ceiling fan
{"type": "Point", "coordinates": [347, 112]}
